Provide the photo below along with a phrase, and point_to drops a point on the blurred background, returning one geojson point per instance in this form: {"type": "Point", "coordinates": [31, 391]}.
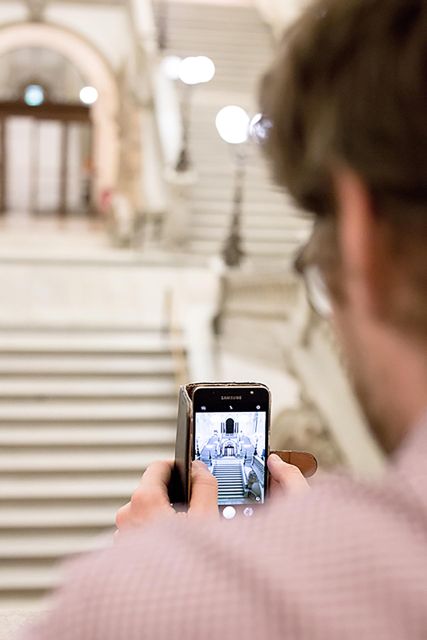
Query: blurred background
{"type": "Point", "coordinates": [142, 245]}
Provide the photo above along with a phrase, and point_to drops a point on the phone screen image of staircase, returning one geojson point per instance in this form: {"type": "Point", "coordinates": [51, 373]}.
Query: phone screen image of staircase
{"type": "Point", "coordinates": [232, 445]}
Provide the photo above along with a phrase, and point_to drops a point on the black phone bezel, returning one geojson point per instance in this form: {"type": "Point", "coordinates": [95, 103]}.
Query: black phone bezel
{"type": "Point", "coordinates": [251, 396]}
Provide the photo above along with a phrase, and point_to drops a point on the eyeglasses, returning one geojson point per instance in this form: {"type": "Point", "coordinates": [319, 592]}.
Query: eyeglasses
{"type": "Point", "coordinates": [315, 285]}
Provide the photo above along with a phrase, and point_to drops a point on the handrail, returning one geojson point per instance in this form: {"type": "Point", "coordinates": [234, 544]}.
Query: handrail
{"type": "Point", "coordinates": [174, 332]}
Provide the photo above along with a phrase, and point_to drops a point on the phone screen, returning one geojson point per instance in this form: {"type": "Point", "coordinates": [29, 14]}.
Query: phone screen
{"type": "Point", "coordinates": [231, 427]}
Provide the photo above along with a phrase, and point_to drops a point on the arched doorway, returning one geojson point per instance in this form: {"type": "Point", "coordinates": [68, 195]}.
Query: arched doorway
{"type": "Point", "coordinates": [97, 73]}
{"type": "Point", "coordinates": [45, 133]}
{"type": "Point", "coordinates": [229, 426]}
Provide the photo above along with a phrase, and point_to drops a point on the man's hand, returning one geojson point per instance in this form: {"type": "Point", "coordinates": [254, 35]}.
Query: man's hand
{"type": "Point", "coordinates": [285, 478]}
{"type": "Point", "coordinates": [150, 500]}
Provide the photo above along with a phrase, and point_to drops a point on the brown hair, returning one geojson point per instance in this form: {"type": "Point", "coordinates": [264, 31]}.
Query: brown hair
{"type": "Point", "coordinates": [349, 86]}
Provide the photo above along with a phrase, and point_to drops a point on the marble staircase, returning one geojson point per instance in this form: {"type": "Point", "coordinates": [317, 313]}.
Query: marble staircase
{"type": "Point", "coordinates": [82, 413]}
{"type": "Point", "coordinates": [241, 47]}
{"type": "Point", "coordinates": [229, 474]}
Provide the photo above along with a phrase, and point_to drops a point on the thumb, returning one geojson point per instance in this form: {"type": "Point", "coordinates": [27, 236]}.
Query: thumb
{"type": "Point", "coordinates": [285, 477]}
{"type": "Point", "coordinates": [204, 491]}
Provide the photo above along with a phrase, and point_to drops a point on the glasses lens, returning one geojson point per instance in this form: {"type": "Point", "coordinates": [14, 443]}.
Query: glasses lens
{"type": "Point", "coordinates": [317, 291]}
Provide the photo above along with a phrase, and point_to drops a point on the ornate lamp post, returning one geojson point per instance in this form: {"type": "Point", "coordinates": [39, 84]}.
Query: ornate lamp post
{"type": "Point", "coordinates": [232, 123]}
{"type": "Point", "coordinates": [191, 72]}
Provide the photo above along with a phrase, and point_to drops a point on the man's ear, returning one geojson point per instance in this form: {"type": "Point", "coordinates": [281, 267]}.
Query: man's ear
{"type": "Point", "coordinates": [361, 242]}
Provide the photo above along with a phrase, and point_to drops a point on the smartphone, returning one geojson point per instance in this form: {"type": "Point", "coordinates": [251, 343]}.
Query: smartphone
{"type": "Point", "coordinates": [231, 429]}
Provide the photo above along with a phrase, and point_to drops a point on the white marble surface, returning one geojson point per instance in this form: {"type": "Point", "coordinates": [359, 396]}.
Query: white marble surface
{"type": "Point", "coordinates": [53, 274]}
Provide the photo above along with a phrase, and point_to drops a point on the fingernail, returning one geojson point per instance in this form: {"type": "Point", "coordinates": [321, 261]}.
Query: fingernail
{"type": "Point", "coordinates": [274, 458]}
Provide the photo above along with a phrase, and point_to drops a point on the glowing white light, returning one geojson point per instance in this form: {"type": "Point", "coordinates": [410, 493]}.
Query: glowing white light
{"type": "Point", "coordinates": [88, 95]}
{"type": "Point", "coordinates": [206, 68]}
{"type": "Point", "coordinates": [170, 66]}
{"type": "Point", "coordinates": [34, 95]}
{"type": "Point", "coordinates": [229, 513]}
{"type": "Point", "coordinates": [232, 123]}
{"type": "Point", "coordinates": [196, 70]}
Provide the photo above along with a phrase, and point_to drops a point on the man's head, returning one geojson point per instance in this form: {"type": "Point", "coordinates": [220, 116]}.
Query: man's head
{"type": "Point", "coordinates": [347, 97]}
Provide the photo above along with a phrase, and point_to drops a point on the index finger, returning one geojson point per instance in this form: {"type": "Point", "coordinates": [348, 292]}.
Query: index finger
{"type": "Point", "coordinates": [151, 497]}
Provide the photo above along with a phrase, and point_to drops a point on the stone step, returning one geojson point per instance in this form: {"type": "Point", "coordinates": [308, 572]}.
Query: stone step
{"type": "Point", "coordinates": [107, 411]}
{"type": "Point", "coordinates": [41, 547]}
{"type": "Point", "coordinates": [80, 459]}
{"type": "Point", "coordinates": [190, 40]}
{"type": "Point", "coordinates": [228, 473]}
{"type": "Point", "coordinates": [261, 249]}
{"type": "Point", "coordinates": [220, 175]}
{"type": "Point", "coordinates": [274, 310]}
{"type": "Point", "coordinates": [104, 344]}
{"type": "Point", "coordinates": [260, 198]}
{"type": "Point", "coordinates": [39, 518]}
{"type": "Point", "coordinates": [29, 578]}
{"type": "Point", "coordinates": [219, 153]}
{"type": "Point", "coordinates": [264, 202]}
{"type": "Point", "coordinates": [27, 389]}
{"type": "Point", "coordinates": [189, 43]}
{"type": "Point", "coordinates": [61, 329]}
{"type": "Point", "coordinates": [58, 489]}
{"type": "Point", "coordinates": [254, 184]}
{"type": "Point", "coordinates": [82, 366]}
{"type": "Point", "coordinates": [271, 212]}
{"type": "Point", "coordinates": [214, 19]}
{"type": "Point", "coordinates": [207, 221]}
{"type": "Point", "coordinates": [214, 15]}
{"type": "Point", "coordinates": [269, 234]}
{"type": "Point", "coordinates": [89, 435]}
{"type": "Point", "coordinates": [255, 189]}
{"type": "Point", "coordinates": [217, 15]}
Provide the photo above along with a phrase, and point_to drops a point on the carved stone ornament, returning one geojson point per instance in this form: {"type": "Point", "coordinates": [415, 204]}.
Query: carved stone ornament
{"type": "Point", "coordinates": [36, 9]}
{"type": "Point", "coordinates": [303, 429]}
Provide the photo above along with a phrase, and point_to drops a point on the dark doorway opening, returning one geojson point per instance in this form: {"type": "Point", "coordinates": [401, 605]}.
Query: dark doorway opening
{"type": "Point", "coordinates": [229, 426]}
{"type": "Point", "coordinates": [39, 167]}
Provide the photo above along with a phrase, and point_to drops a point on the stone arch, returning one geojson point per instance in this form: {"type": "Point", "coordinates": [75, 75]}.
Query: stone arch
{"type": "Point", "coordinates": [96, 70]}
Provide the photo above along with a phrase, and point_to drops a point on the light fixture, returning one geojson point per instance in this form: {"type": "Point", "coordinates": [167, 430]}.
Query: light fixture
{"type": "Point", "coordinates": [34, 95]}
{"type": "Point", "coordinates": [232, 123]}
{"type": "Point", "coordinates": [196, 70]}
{"type": "Point", "coordinates": [192, 71]}
{"type": "Point", "coordinates": [88, 95]}
{"type": "Point", "coordinates": [170, 66]}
